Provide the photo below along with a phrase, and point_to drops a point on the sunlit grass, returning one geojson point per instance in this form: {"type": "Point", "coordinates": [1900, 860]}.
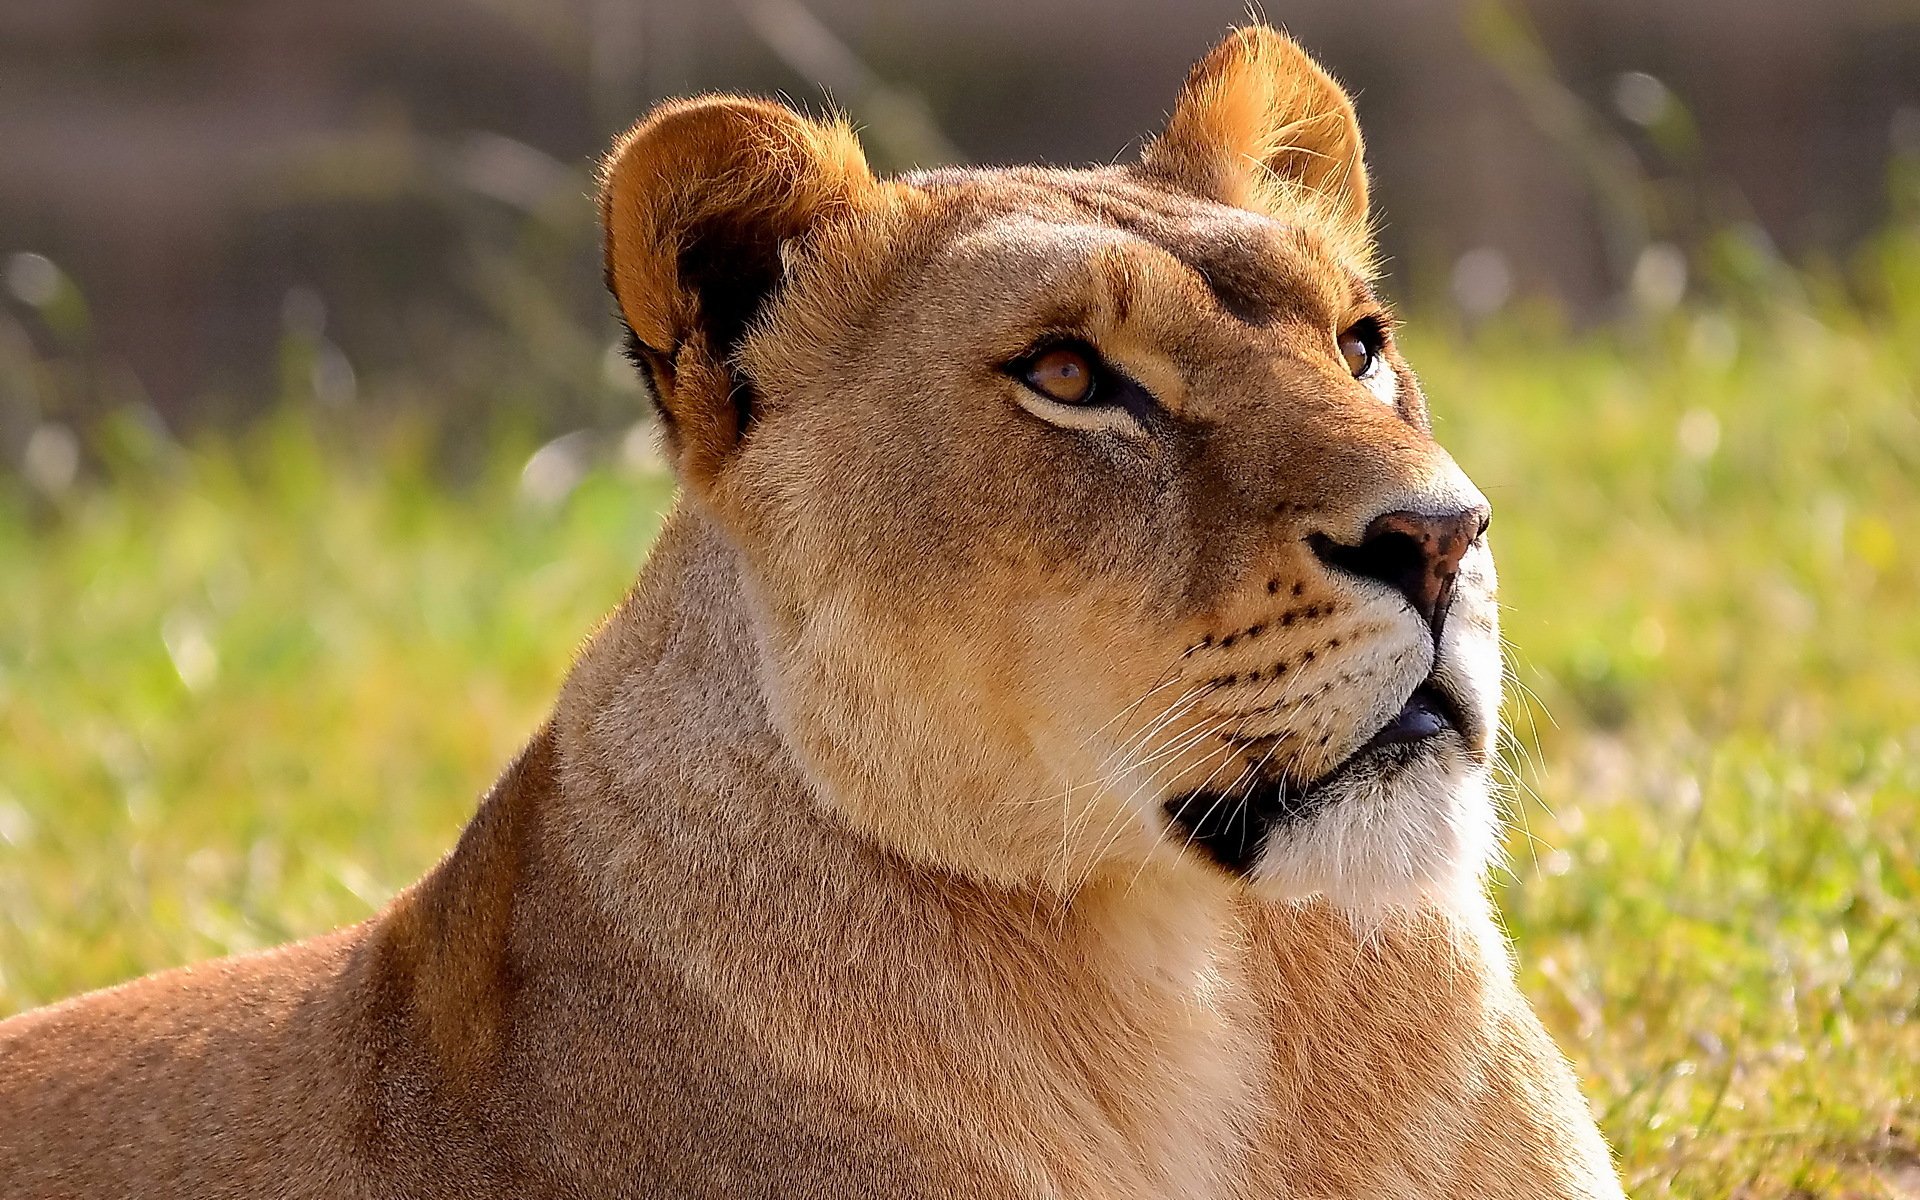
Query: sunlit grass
{"type": "Point", "coordinates": [249, 688]}
{"type": "Point", "coordinates": [1706, 535]}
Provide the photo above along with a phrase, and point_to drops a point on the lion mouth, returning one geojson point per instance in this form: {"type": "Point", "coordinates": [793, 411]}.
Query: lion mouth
{"type": "Point", "coordinates": [1231, 826]}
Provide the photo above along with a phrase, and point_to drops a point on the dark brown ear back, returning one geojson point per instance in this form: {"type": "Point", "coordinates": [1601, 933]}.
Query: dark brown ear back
{"type": "Point", "coordinates": [1257, 118]}
{"type": "Point", "coordinates": [699, 201]}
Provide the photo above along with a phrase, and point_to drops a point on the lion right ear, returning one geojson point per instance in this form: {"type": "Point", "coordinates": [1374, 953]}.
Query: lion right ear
{"type": "Point", "coordinates": [699, 201]}
{"type": "Point", "coordinates": [1259, 119]}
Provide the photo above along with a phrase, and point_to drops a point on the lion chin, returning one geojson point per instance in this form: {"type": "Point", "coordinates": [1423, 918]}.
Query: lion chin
{"type": "Point", "coordinates": [1394, 826]}
{"type": "Point", "coordinates": [1413, 830]}
{"type": "Point", "coordinates": [1406, 820]}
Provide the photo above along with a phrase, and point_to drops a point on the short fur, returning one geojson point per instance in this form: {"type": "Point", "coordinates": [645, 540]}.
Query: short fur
{"type": "Point", "coordinates": [844, 866]}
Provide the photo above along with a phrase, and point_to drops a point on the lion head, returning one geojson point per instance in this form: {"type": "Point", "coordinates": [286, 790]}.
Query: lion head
{"type": "Point", "coordinates": [1090, 520]}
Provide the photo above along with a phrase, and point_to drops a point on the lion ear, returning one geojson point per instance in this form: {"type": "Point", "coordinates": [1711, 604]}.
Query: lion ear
{"type": "Point", "coordinates": [699, 201]}
{"type": "Point", "coordinates": [1257, 117]}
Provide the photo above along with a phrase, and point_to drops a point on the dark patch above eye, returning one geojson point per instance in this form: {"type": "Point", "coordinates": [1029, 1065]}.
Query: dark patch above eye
{"type": "Point", "coordinates": [1240, 286]}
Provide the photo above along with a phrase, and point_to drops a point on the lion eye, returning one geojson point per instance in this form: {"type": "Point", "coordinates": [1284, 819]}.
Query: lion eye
{"type": "Point", "coordinates": [1063, 374]}
{"type": "Point", "coordinates": [1360, 346]}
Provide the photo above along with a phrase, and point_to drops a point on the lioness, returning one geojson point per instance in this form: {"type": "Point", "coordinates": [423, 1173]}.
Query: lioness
{"type": "Point", "coordinates": [1046, 754]}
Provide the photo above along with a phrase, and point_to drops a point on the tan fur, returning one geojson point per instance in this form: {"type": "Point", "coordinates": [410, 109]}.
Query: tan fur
{"type": "Point", "coordinates": [844, 865]}
{"type": "Point", "coordinates": [1263, 126]}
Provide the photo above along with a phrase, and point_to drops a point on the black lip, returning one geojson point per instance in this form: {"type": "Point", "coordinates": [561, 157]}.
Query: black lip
{"type": "Point", "coordinates": [1232, 827]}
{"type": "Point", "coordinates": [1428, 713]}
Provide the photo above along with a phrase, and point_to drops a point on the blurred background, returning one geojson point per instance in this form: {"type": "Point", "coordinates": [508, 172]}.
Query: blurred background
{"type": "Point", "coordinates": [317, 460]}
{"type": "Point", "coordinates": [375, 178]}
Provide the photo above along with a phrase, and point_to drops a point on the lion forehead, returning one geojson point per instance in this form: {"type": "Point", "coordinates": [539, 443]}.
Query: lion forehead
{"type": "Point", "coordinates": [1018, 232]}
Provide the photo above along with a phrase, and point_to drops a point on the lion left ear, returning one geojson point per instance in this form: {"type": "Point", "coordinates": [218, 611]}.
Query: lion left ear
{"type": "Point", "coordinates": [1258, 117]}
{"type": "Point", "coordinates": [700, 202]}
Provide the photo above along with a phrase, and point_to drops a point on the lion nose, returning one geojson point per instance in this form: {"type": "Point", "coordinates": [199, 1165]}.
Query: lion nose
{"type": "Point", "coordinates": [1416, 554]}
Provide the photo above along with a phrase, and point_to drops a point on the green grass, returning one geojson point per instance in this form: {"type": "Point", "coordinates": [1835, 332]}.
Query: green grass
{"type": "Point", "coordinates": [251, 687]}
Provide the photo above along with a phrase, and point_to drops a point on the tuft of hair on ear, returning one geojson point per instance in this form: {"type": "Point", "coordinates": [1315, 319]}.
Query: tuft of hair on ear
{"type": "Point", "coordinates": [1260, 125]}
{"type": "Point", "coordinates": [701, 202]}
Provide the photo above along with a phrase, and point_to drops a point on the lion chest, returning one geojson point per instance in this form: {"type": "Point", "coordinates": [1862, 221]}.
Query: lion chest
{"type": "Point", "coordinates": [1137, 1072]}
{"type": "Point", "coordinates": [1158, 1103]}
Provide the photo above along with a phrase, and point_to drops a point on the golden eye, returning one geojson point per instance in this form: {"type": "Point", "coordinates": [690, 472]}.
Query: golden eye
{"type": "Point", "coordinates": [1360, 346]}
{"type": "Point", "coordinates": [1063, 374]}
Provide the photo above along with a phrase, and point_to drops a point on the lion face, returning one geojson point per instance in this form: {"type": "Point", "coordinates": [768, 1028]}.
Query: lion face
{"type": "Point", "coordinates": [1091, 520]}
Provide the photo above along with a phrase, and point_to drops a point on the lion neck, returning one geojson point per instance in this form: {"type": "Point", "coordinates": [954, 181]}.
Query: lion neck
{"type": "Point", "coordinates": [665, 721]}
{"type": "Point", "coordinates": [690, 821]}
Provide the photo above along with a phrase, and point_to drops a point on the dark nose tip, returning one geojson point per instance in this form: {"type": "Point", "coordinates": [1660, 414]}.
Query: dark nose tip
{"type": "Point", "coordinates": [1416, 554]}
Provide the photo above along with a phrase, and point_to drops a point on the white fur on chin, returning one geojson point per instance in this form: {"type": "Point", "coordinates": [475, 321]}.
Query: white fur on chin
{"type": "Point", "coordinates": [1423, 837]}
